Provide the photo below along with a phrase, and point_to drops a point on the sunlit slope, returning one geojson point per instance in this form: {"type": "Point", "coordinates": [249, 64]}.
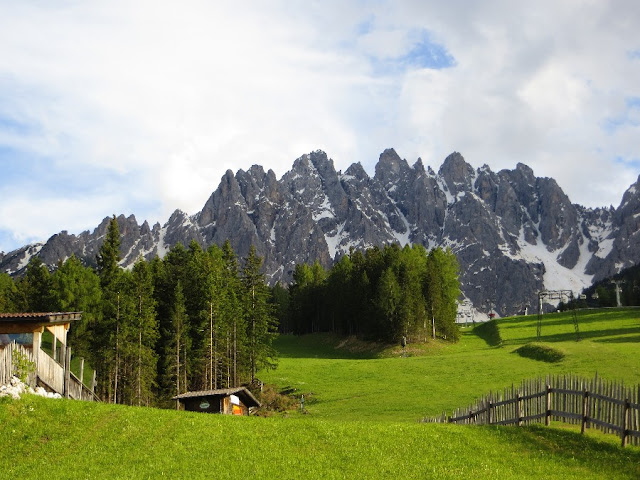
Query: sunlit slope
{"type": "Point", "coordinates": [44, 438]}
{"type": "Point", "coordinates": [344, 385]}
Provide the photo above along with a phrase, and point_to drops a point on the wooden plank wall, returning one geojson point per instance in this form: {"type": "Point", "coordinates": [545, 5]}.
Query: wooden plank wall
{"type": "Point", "coordinates": [6, 362]}
{"type": "Point", "coordinates": [591, 403]}
{"type": "Point", "coordinates": [50, 372]}
{"type": "Point", "coordinates": [6, 365]}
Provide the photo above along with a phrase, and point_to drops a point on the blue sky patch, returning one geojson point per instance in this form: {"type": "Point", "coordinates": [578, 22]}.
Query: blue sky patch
{"type": "Point", "coordinates": [8, 124]}
{"type": "Point", "coordinates": [612, 124]}
{"type": "Point", "coordinates": [428, 54]}
{"type": "Point", "coordinates": [634, 54]}
{"type": "Point", "coordinates": [628, 162]}
{"type": "Point", "coordinates": [422, 54]}
{"type": "Point", "coordinates": [633, 102]}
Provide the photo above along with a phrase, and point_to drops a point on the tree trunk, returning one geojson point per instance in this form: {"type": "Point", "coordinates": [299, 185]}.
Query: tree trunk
{"type": "Point", "coordinates": [211, 362]}
{"type": "Point", "coordinates": [117, 362]}
{"type": "Point", "coordinates": [235, 354]}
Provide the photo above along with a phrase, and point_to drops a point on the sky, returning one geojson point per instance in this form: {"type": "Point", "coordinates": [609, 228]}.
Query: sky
{"type": "Point", "coordinates": [139, 107]}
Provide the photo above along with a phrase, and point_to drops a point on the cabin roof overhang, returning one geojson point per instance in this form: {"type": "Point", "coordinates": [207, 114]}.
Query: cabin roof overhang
{"type": "Point", "coordinates": [30, 322]}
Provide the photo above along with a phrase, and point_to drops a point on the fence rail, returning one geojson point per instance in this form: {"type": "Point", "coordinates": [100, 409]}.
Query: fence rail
{"type": "Point", "coordinates": [592, 403]}
{"type": "Point", "coordinates": [49, 373]}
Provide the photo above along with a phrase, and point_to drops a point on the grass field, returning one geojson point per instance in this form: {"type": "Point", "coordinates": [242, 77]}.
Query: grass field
{"type": "Point", "coordinates": [363, 405]}
{"type": "Point", "coordinates": [345, 385]}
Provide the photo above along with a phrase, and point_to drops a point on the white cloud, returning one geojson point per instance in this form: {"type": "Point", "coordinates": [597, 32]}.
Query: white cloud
{"type": "Point", "coordinates": [167, 97]}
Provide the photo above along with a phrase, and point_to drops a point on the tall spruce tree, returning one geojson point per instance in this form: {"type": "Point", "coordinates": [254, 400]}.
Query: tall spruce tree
{"type": "Point", "coordinates": [260, 321]}
{"type": "Point", "coordinates": [7, 293]}
{"type": "Point", "coordinates": [106, 336]}
{"type": "Point", "coordinates": [37, 288]}
{"type": "Point", "coordinates": [145, 329]}
{"type": "Point", "coordinates": [442, 290]}
{"type": "Point", "coordinates": [77, 289]}
{"type": "Point", "coordinates": [178, 344]}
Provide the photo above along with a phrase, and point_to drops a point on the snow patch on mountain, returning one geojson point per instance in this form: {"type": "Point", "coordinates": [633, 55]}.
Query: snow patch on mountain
{"type": "Point", "coordinates": [556, 277]}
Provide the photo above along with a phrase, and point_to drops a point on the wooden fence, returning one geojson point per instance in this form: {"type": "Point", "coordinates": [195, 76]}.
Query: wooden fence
{"type": "Point", "coordinates": [607, 406]}
{"type": "Point", "coordinates": [49, 372]}
{"type": "Point", "coordinates": [6, 362]}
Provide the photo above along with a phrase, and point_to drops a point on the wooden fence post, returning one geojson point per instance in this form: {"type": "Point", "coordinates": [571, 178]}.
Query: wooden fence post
{"type": "Point", "coordinates": [489, 412]}
{"type": "Point", "coordinates": [67, 371]}
{"type": "Point", "coordinates": [82, 371]}
{"type": "Point", "coordinates": [585, 408]}
{"type": "Point", "coordinates": [518, 407]}
{"type": "Point", "coordinates": [625, 414]}
{"type": "Point", "coordinates": [547, 418]}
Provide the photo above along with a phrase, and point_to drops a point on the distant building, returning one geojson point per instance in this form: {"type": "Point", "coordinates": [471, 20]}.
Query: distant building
{"type": "Point", "coordinates": [227, 401]}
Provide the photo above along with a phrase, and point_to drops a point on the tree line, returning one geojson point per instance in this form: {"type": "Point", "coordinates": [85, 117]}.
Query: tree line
{"type": "Point", "coordinates": [195, 320]}
{"type": "Point", "coordinates": [203, 319]}
{"type": "Point", "coordinates": [382, 295]}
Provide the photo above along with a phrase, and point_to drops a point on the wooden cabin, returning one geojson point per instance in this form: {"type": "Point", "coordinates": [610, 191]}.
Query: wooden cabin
{"type": "Point", "coordinates": [22, 332]}
{"type": "Point", "coordinates": [227, 401]}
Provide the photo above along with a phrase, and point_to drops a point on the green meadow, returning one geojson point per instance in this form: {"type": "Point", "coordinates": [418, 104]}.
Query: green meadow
{"type": "Point", "coordinates": [351, 383]}
{"type": "Point", "coordinates": [363, 404]}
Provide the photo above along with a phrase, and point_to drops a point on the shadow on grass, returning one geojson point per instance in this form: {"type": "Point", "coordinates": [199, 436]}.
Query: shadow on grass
{"type": "Point", "coordinates": [489, 332]}
{"type": "Point", "coordinates": [570, 335]}
{"type": "Point", "coordinates": [571, 447]}
{"type": "Point", "coordinates": [627, 339]}
{"type": "Point", "coordinates": [585, 316]}
{"type": "Point", "coordinates": [326, 346]}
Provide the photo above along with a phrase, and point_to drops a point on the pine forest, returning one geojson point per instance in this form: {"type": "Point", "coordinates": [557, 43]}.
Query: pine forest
{"type": "Point", "coordinates": [205, 319]}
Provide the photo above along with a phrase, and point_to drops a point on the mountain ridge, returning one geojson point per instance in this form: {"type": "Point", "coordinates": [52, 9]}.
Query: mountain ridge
{"type": "Point", "coordinates": [513, 233]}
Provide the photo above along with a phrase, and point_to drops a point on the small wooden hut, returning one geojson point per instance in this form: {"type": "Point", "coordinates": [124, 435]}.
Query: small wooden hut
{"type": "Point", "coordinates": [227, 401]}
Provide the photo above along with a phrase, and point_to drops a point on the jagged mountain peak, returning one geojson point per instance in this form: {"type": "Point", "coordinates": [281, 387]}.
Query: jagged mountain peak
{"type": "Point", "coordinates": [631, 197]}
{"type": "Point", "coordinates": [390, 166]}
{"type": "Point", "coordinates": [457, 173]}
{"type": "Point", "coordinates": [513, 233]}
{"type": "Point", "coordinates": [357, 171]}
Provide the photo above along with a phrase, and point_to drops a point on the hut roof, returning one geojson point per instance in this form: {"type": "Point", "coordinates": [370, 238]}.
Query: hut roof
{"type": "Point", "coordinates": [51, 318]}
{"type": "Point", "coordinates": [247, 397]}
{"type": "Point", "coordinates": [32, 321]}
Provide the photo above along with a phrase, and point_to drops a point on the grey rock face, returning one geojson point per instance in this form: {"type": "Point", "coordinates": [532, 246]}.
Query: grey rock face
{"type": "Point", "coordinates": [513, 233]}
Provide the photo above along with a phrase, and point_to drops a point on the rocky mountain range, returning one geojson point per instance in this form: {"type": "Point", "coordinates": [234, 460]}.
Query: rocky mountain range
{"type": "Point", "coordinates": [514, 233]}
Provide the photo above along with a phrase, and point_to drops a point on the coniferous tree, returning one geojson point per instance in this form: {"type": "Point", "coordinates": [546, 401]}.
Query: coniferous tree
{"type": "Point", "coordinates": [282, 308]}
{"type": "Point", "coordinates": [37, 288]}
{"type": "Point", "coordinates": [260, 322]}
{"type": "Point", "coordinates": [177, 345]}
{"type": "Point", "coordinates": [300, 292]}
{"type": "Point", "coordinates": [145, 328]}
{"type": "Point", "coordinates": [106, 335]}
{"type": "Point", "coordinates": [214, 327]}
{"type": "Point", "coordinates": [8, 292]}
{"type": "Point", "coordinates": [77, 289]}
{"type": "Point", "coordinates": [340, 284]}
{"type": "Point", "coordinates": [388, 305]}
{"type": "Point", "coordinates": [233, 315]}
{"type": "Point", "coordinates": [442, 289]}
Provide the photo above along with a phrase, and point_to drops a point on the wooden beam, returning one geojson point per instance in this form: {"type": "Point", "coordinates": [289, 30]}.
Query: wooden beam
{"type": "Point", "coordinates": [20, 328]}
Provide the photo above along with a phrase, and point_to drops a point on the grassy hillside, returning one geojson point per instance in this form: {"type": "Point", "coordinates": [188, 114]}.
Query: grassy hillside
{"type": "Point", "coordinates": [65, 439]}
{"type": "Point", "coordinates": [347, 386]}
{"type": "Point", "coordinates": [363, 403]}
